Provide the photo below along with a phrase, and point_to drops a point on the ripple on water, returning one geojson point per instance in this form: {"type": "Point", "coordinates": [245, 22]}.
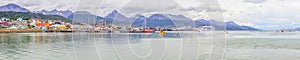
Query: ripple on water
{"type": "Point", "coordinates": [59, 46]}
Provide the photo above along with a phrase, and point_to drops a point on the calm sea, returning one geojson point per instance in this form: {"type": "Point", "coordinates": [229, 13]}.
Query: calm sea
{"type": "Point", "coordinates": [209, 45]}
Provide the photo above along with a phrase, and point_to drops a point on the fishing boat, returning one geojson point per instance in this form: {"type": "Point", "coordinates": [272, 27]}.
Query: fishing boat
{"type": "Point", "coordinates": [282, 31]}
{"type": "Point", "coordinates": [162, 32]}
{"type": "Point", "coordinates": [147, 30]}
{"type": "Point", "coordinates": [207, 28]}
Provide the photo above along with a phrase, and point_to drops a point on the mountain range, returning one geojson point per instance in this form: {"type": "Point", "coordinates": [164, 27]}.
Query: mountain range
{"type": "Point", "coordinates": [297, 29]}
{"type": "Point", "coordinates": [86, 17]}
{"type": "Point", "coordinates": [66, 13]}
{"type": "Point", "coordinates": [163, 20]}
{"type": "Point", "coordinates": [115, 17]}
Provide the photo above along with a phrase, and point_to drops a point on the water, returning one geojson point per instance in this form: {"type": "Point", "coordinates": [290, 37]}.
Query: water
{"type": "Point", "coordinates": [237, 45]}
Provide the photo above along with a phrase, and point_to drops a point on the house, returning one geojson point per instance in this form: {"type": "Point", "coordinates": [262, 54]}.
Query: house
{"type": "Point", "coordinates": [4, 19]}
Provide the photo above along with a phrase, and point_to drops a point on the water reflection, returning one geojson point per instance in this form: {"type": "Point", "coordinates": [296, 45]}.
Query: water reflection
{"type": "Point", "coordinates": [14, 45]}
{"type": "Point", "coordinates": [111, 46]}
{"type": "Point", "coordinates": [15, 41]}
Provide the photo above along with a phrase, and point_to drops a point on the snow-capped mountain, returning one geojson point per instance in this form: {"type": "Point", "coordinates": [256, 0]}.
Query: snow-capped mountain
{"type": "Point", "coordinates": [115, 15]}
{"type": "Point", "coordinates": [13, 7]}
{"type": "Point", "coordinates": [66, 13]}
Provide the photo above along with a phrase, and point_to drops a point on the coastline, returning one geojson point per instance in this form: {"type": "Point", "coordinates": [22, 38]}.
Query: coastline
{"type": "Point", "coordinates": [19, 31]}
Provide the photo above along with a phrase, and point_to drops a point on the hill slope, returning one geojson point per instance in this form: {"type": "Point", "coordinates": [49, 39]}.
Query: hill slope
{"type": "Point", "coordinates": [86, 17]}
{"type": "Point", "coordinates": [28, 15]}
{"type": "Point", "coordinates": [13, 7]}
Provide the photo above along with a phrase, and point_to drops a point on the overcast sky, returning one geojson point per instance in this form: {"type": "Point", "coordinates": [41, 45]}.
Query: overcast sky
{"type": "Point", "coordinates": [264, 14]}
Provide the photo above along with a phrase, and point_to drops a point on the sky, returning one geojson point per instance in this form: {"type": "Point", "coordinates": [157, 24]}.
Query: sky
{"type": "Point", "coordinates": [262, 14]}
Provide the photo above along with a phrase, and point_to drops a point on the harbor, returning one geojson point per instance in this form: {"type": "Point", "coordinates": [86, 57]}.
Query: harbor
{"type": "Point", "coordinates": [149, 30]}
{"type": "Point", "coordinates": [38, 25]}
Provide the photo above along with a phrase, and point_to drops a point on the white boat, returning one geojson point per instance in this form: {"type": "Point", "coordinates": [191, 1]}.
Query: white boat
{"type": "Point", "coordinates": [206, 28]}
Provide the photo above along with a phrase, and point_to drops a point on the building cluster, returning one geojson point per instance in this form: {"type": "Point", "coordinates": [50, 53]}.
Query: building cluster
{"type": "Point", "coordinates": [34, 23]}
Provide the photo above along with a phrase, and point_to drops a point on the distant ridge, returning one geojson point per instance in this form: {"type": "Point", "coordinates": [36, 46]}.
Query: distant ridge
{"type": "Point", "coordinates": [85, 17]}
{"type": "Point", "coordinates": [297, 29]}
{"type": "Point", "coordinates": [65, 13]}
{"type": "Point", "coordinates": [233, 26]}
{"type": "Point", "coordinates": [13, 7]}
{"type": "Point", "coordinates": [163, 20]}
{"type": "Point", "coordinates": [17, 8]}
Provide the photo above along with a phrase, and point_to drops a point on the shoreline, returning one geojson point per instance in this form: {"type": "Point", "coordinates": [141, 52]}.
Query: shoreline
{"type": "Point", "coordinates": [19, 31]}
{"type": "Point", "coordinates": [93, 31]}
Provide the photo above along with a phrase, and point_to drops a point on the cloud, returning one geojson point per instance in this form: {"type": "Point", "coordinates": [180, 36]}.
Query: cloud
{"type": "Point", "coordinates": [199, 9]}
{"type": "Point", "coordinates": [182, 7]}
{"type": "Point", "coordinates": [30, 4]}
{"type": "Point", "coordinates": [144, 6]}
{"type": "Point", "coordinates": [255, 1]}
{"type": "Point", "coordinates": [211, 5]}
{"type": "Point", "coordinates": [254, 11]}
{"type": "Point", "coordinates": [127, 7]}
{"type": "Point", "coordinates": [266, 14]}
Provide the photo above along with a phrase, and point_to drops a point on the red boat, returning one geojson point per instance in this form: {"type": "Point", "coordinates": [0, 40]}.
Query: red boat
{"type": "Point", "coordinates": [147, 30]}
{"type": "Point", "coordinates": [281, 31]}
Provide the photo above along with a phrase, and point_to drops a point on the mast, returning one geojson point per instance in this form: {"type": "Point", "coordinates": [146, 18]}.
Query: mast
{"type": "Point", "coordinates": [145, 25]}
{"type": "Point", "coordinates": [105, 23]}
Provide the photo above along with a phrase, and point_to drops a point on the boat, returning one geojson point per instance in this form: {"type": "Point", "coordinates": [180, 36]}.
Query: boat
{"type": "Point", "coordinates": [205, 28]}
{"type": "Point", "coordinates": [147, 30]}
{"type": "Point", "coordinates": [281, 31]}
{"type": "Point", "coordinates": [162, 32]}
